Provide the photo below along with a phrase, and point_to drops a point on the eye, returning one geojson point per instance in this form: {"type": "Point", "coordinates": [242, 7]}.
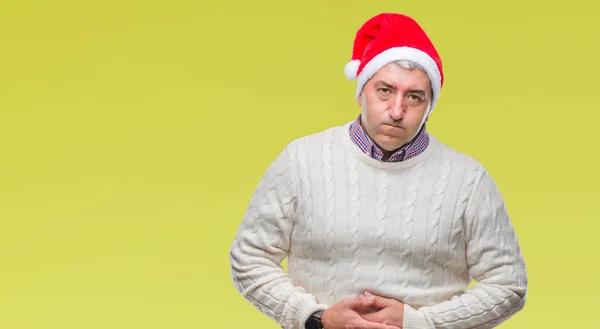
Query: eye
{"type": "Point", "coordinates": [385, 91]}
{"type": "Point", "coordinates": [415, 97]}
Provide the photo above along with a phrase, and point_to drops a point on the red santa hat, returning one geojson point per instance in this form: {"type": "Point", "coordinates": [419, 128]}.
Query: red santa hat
{"type": "Point", "coordinates": [389, 37]}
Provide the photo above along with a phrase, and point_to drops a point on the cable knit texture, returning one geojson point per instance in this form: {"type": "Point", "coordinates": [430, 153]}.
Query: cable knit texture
{"type": "Point", "coordinates": [417, 231]}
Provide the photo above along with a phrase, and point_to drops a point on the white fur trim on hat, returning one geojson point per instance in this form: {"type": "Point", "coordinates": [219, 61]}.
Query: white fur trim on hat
{"type": "Point", "coordinates": [406, 53]}
{"type": "Point", "coordinates": [351, 68]}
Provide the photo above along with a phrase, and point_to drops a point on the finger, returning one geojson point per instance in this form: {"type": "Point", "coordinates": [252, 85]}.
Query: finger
{"type": "Point", "coordinates": [369, 310]}
{"type": "Point", "coordinates": [370, 298]}
{"type": "Point", "coordinates": [376, 301]}
{"type": "Point", "coordinates": [373, 317]}
{"type": "Point", "coordinates": [363, 303]}
{"type": "Point", "coordinates": [364, 324]}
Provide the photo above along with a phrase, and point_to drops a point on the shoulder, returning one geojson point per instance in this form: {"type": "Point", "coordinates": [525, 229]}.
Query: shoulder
{"type": "Point", "coordinates": [449, 153]}
{"type": "Point", "coordinates": [465, 168]}
{"type": "Point", "coordinates": [475, 176]}
{"type": "Point", "coordinates": [316, 141]}
{"type": "Point", "coordinates": [301, 149]}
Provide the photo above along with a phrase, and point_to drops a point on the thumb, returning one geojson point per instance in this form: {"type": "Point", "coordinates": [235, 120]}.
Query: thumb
{"type": "Point", "coordinates": [371, 300]}
{"type": "Point", "coordinates": [363, 303]}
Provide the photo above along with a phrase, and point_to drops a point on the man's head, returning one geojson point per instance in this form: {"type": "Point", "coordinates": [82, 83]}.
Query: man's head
{"type": "Point", "coordinates": [394, 38]}
{"type": "Point", "coordinates": [394, 104]}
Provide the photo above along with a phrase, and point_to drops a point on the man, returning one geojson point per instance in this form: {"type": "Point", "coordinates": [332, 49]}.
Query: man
{"type": "Point", "coordinates": [383, 225]}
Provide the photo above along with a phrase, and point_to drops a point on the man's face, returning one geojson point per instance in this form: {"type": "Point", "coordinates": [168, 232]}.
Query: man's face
{"type": "Point", "coordinates": [393, 103]}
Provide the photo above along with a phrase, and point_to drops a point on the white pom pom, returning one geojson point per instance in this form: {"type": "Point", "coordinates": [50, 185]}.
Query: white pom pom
{"type": "Point", "coordinates": [351, 68]}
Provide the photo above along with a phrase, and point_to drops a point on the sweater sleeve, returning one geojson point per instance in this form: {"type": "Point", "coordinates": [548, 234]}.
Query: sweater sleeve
{"type": "Point", "coordinates": [263, 241]}
{"type": "Point", "coordinates": [495, 261]}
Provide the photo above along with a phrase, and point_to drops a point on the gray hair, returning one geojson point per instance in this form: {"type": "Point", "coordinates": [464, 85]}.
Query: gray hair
{"type": "Point", "coordinates": [408, 64]}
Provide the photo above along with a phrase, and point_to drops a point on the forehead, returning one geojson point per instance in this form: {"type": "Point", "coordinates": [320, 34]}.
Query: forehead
{"type": "Point", "coordinates": [398, 76]}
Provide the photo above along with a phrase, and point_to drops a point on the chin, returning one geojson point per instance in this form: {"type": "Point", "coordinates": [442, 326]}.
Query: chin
{"type": "Point", "coordinates": [389, 147]}
{"type": "Point", "coordinates": [389, 143]}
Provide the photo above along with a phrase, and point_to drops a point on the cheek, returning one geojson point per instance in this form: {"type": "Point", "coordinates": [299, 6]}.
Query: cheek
{"type": "Point", "coordinates": [371, 118]}
{"type": "Point", "coordinates": [413, 118]}
{"type": "Point", "coordinates": [375, 111]}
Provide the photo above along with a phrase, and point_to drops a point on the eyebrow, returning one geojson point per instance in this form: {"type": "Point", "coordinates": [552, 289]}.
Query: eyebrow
{"type": "Point", "coordinates": [385, 84]}
{"type": "Point", "coordinates": [417, 91]}
{"type": "Point", "coordinates": [413, 91]}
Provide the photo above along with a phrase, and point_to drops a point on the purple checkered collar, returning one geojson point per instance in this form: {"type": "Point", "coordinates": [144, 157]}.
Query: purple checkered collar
{"type": "Point", "coordinates": [364, 142]}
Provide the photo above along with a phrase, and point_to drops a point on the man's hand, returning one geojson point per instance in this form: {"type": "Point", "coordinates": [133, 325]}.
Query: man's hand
{"type": "Point", "coordinates": [387, 311]}
{"type": "Point", "coordinates": [345, 314]}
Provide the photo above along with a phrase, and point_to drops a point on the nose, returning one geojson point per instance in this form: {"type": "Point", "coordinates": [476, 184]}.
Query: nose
{"type": "Point", "coordinates": [397, 107]}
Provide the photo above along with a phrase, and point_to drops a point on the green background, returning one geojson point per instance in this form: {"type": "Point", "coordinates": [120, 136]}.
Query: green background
{"type": "Point", "coordinates": [133, 133]}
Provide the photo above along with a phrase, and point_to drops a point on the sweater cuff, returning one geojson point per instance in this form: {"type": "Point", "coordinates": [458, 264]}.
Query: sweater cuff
{"type": "Point", "coordinates": [414, 319]}
{"type": "Point", "coordinates": [305, 310]}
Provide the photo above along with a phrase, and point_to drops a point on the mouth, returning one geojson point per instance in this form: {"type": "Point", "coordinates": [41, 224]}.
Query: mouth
{"type": "Point", "coordinates": [395, 126]}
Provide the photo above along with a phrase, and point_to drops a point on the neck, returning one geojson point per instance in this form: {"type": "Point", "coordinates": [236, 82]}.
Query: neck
{"type": "Point", "coordinates": [388, 154]}
{"type": "Point", "coordinates": [354, 149]}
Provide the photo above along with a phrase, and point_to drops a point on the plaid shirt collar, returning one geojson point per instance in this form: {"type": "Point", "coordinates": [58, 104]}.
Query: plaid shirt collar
{"type": "Point", "coordinates": [364, 142]}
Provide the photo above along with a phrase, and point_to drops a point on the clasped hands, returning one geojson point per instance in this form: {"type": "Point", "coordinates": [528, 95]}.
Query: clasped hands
{"type": "Point", "coordinates": [367, 311]}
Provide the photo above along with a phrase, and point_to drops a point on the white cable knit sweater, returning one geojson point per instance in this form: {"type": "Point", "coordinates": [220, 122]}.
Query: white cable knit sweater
{"type": "Point", "coordinates": [416, 231]}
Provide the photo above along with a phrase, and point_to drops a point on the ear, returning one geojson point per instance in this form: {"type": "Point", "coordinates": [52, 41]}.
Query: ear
{"type": "Point", "coordinates": [359, 99]}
